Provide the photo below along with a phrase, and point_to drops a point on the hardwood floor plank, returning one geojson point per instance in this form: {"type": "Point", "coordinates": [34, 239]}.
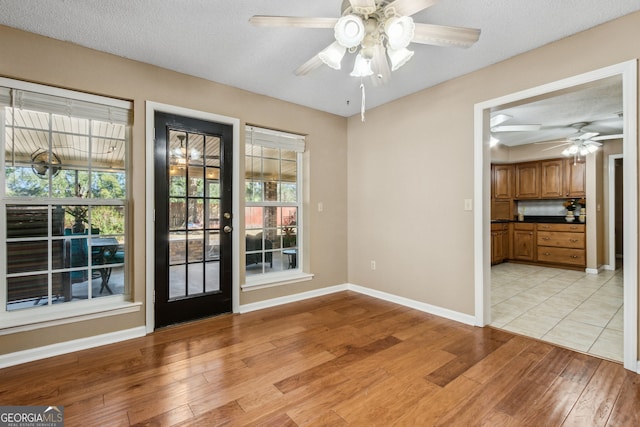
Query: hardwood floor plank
{"type": "Point", "coordinates": [340, 359]}
{"type": "Point", "coordinates": [599, 396]}
{"type": "Point", "coordinates": [626, 411]}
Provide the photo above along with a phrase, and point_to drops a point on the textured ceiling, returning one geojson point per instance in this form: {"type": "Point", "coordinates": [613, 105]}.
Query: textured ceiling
{"type": "Point", "coordinates": [213, 40]}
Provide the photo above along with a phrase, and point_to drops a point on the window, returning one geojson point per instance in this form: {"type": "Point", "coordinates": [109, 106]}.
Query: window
{"type": "Point", "coordinates": [62, 196]}
{"type": "Point", "coordinates": [273, 205]}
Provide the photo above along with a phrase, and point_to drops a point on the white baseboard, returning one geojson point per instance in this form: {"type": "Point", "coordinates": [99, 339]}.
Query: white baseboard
{"type": "Point", "coordinates": [57, 349]}
{"type": "Point", "coordinates": [427, 308]}
{"type": "Point", "coordinates": [246, 308]}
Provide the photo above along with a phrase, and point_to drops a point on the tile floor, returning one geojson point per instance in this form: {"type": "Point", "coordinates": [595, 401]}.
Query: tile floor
{"type": "Point", "coordinates": [565, 307]}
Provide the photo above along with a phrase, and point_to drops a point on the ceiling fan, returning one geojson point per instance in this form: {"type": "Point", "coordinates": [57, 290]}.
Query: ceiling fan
{"type": "Point", "coordinates": [378, 30]}
{"type": "Point", "coordinates": [580, 143]}
{"type": "Point", "coordinates": [40, 163]}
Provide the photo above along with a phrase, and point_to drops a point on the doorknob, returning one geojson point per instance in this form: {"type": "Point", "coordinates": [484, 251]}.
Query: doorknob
{"type": "Point", "coordinates": [227, 229]}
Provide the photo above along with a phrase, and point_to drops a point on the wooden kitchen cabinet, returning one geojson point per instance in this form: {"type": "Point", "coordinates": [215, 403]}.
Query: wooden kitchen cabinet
{"type": "Point", "coordinates": [524, 243]}
{"type": "Point", "coordinates": [561, 244]}
{"type": "Point", "coordinates": [499, 242]}
{"type": "Point", "coordinates": [502, 181]}
{"type": "Point", "coordinates": [575, 178]}
{"type": "Point", "coordinates": [527, 176]}
{"type": "Point", "coordinates": [552, 178]}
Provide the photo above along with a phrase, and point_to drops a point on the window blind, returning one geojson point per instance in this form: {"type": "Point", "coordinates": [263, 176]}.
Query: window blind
{"type": "Point", "coordinates": [274, 139]}
{"type": "Point", "coordinates": [65, 106]}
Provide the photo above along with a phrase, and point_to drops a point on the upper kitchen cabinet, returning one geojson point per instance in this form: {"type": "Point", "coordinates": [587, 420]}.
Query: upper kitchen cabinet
{"type": "Point", "coordinates": [502, 181]}
{"type": "Point", "coordinates": [574, 178]}
{"type": "Point", "coordinates": [551, 178]}
{"type": "Point", "coordinates": [527, 180]}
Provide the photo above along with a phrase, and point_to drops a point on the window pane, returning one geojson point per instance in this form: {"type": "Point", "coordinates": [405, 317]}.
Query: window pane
{"type": "Point", "coordinates": [27, 289]}
{"type": "Point", "coordinates": [214, 213]}
{"type": "Point", "coordinates": [196, 182]}
{"type": "Point", "coordinates": [253, 191]}
{"type": "Point", "coordinates": [177, 181]}
{"type": "Point", "coordinates": [177, 248]}
{"type": "Point", "coordinates": [196, 246]}
{"type": "Point", "coordinates": [271, 170]}
{"type": "Point", "coordinates": [108, 185]}
{"type": "Point", "coordinates": [22, 181]}
{"type": "Point", "coordinates": [288, 171]}
{"type": "Point", "coordinates": [195, 214]}
{"type": "Point", "coordinates": [195, 149]}
{"type": "Point", "coordinates": [70, 183]}
{"type": "Point", "coordinates": [177, 213]}
{"type": "Point", "coordinates": [27, 256]}
{"type": "Point", "coordinates": [288, 192]}
{"type": "Point", "coordinates": [68, 124]}
{"type": "Point", "coordinates": [212, 151]}
{"type": "Point", "coordinates": [253, 217]}
{"type": "Point", "coordinates": [288, 155]}
{"type": "Point", "coordinates": [107, 219]}
{"type": "Point", "coordinates": [108, 130]}
{"type": "Point", "coordinates": [213, 245]}
{"type": "Point", "coordinates": [30, 221]}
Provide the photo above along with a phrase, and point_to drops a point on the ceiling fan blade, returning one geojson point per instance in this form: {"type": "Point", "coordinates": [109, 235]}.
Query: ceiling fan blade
{"type": "Point", "coordinates": [556, 146]}
{"type": "Point", "coordinates": [587, 135]}
{"type": "Point", "coordinates": [292, 21]}
{"type": "Point", "coordinates": [408, 7]}
{"type": "Point", "coordinates": [363, 7]}
{"type": "Point", "coordinates": [309, 66]}
{"type": "Point", "coordinates": [606, 137]}
{"type": "Point", "coordinates": [442, 35]}
{"type": "Point", "coordinates": [515, 128]}
{"type": "Point", "coordinates": [380, 66]}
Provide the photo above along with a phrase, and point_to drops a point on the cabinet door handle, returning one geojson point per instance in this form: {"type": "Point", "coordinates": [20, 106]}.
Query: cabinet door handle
{"type": "Point", "coordinates": [574, 227]}
{"type": "Point", "coordinates": [573, 240]}
{"type": "Point", "coordinates": [547, 253]}
{"type": "Point", "coordinates": [574, 256]}
{"type": "Point", "coordinates": [546, 238]}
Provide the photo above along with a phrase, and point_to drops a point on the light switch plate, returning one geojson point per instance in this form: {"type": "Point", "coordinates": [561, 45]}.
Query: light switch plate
{"type": "Point", "coordinates": [468, 204]}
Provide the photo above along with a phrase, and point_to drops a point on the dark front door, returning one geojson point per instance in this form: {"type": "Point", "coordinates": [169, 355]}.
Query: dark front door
{"type": "Point", "coordinates": [193, 217]}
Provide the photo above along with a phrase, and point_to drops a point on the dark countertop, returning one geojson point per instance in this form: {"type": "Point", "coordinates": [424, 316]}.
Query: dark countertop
{"type": "Point", "coordinates": [539, 219]}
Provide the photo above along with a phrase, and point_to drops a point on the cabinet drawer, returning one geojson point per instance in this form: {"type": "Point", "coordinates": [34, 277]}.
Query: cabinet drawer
{"type": "Point", "coordinates": [529, 226]}
{"type": "Point", "coordinates": [561, 255]}
{"type": "Point", "coordinates": [579, 228]}
{"type": "Point", "coordinates": [561, 239]}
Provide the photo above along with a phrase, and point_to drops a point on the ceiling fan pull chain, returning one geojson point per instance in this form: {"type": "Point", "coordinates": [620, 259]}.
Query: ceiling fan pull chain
{"type": "Point", "coordinates": [362, 105]}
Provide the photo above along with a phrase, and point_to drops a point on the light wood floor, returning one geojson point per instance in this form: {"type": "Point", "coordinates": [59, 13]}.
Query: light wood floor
{"type": "Point", "coordinates": [343, 359]}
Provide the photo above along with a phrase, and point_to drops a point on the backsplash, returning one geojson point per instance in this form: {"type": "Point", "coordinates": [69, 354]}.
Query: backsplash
{"type": "Point", "coordinates": [553, 207]}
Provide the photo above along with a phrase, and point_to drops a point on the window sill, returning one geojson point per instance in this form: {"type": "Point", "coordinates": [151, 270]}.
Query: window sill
{"type": "Point", "coordinates": [28, 319]}
{"type": "Point", "coordinates": [275, 279]}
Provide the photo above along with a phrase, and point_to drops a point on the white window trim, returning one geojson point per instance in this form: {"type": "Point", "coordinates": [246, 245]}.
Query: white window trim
{"type": "Point", "coordinates": [73, 311]}
{"type": "Point", "coordinates": [273, 139]}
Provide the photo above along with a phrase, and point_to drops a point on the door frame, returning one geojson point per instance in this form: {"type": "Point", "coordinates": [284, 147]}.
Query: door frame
{"type": "Point", "coordinates": [150, 109]}
{"type": "Point", "coordinates": [482, 189]}
{"type": "Point", "coordinates": [611, 210]}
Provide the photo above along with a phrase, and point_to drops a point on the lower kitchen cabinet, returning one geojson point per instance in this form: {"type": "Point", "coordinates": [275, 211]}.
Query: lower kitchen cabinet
{"type": "Point", "coordinates": [561, 244]}
{"type": "Point", "coordinates": [499, 242]}
{"type": "Point", "coordinates": [524, 241]}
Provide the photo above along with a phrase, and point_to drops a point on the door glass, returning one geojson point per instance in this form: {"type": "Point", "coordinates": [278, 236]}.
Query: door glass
{"type": "Point", "coordinates": [194, 214]}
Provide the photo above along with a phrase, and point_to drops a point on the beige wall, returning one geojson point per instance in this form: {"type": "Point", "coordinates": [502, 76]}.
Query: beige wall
{"type": "Point", "coordinates": [39, 59]}
{"type": "Point", "coordinates": [411, 165]}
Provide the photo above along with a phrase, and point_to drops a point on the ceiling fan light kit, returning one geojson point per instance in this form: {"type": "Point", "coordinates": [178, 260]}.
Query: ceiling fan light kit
{"type": "Point", "coordinates": [349, 31]}
{"type": "Point", "coordinates": [378, 31]}
{"type": "Point", "coordinates": [332, 55]}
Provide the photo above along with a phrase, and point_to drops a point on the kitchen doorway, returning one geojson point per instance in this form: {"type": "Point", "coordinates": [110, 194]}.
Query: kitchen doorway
{"type": "Point", "coordinates": [482, 189]}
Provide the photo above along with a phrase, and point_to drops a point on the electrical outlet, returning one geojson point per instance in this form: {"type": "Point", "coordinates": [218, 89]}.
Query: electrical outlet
{"type": "Point", "coordinates": [373, 265]}
{"type": "Point", "coordinates": [320, 206]}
